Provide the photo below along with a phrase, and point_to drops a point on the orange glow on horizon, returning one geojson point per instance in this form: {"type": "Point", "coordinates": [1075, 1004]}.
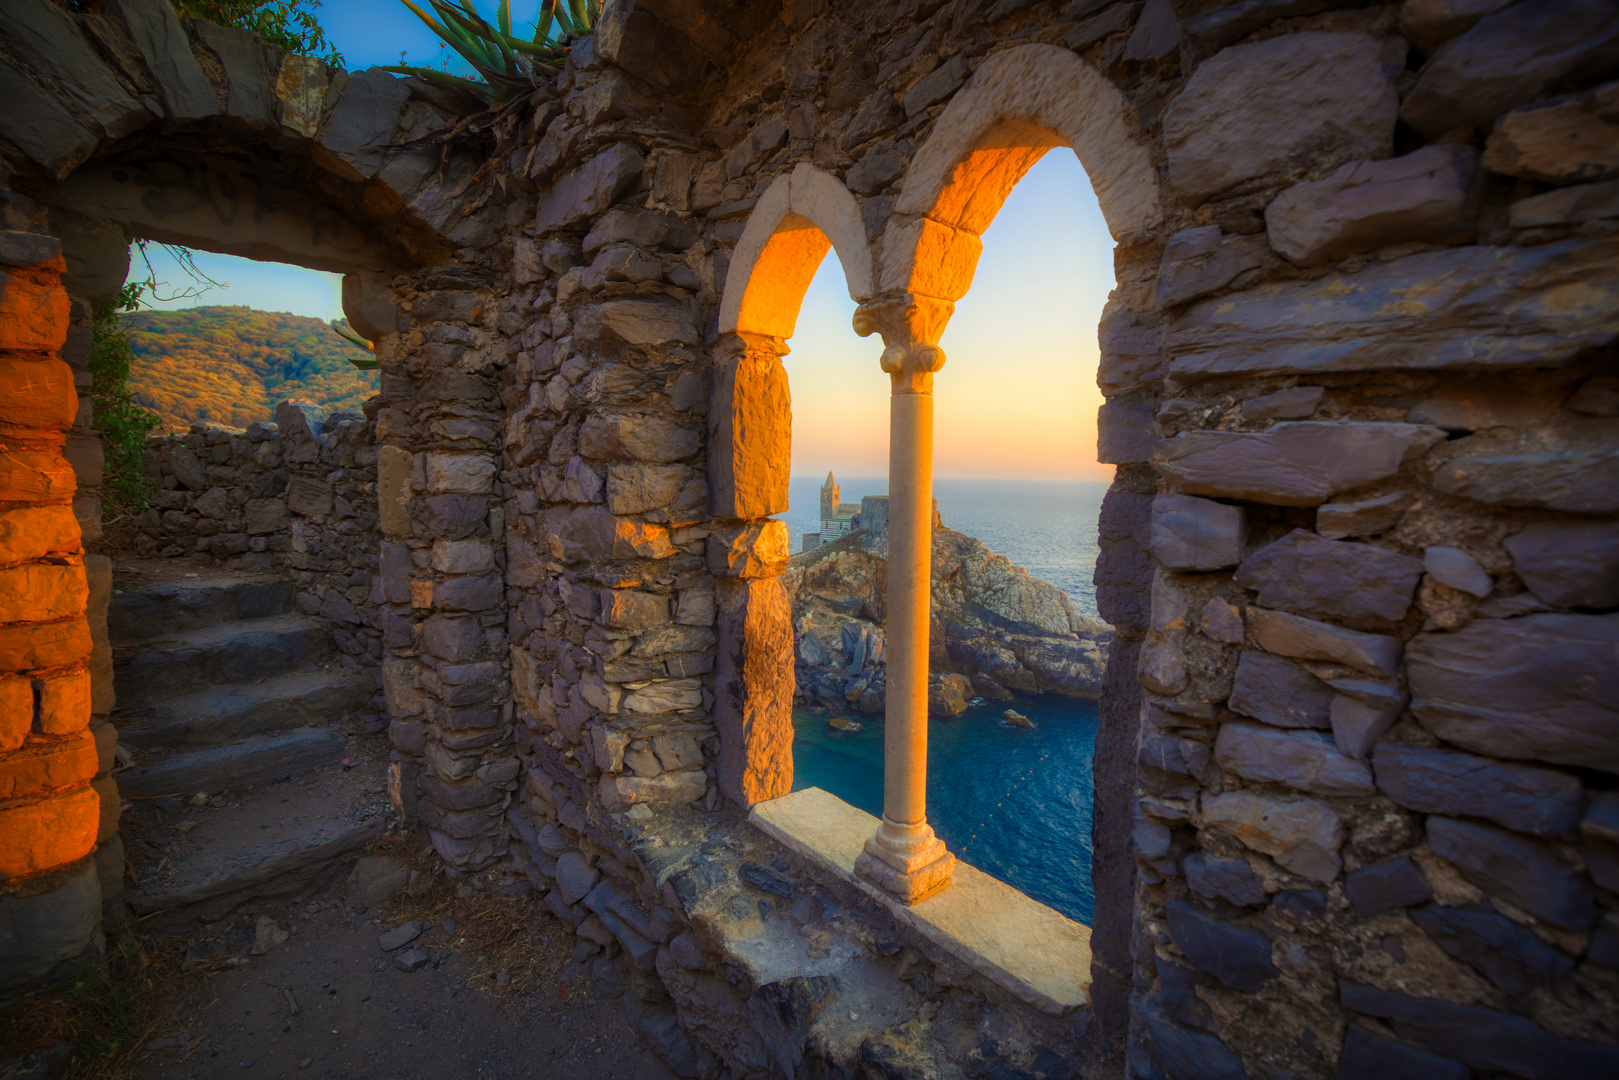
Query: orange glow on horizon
{"type": "Point", "coordinates": [1017, 397]}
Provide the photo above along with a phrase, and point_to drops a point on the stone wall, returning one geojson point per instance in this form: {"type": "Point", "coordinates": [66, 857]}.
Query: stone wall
{"type": "Point", "coordinates": [1355, 769]}
{"type": "Point", "coordinates": [58, 807]}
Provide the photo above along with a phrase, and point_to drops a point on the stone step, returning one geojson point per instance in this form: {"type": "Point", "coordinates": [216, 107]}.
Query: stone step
{"type": "Point", "coordinates": [177, 607]}
{"type": "Point", "coordinates": [282, 840]}
{"type": "Point", "coordinates": [224, 714]}
{"type": "Point", "coordinates": [257, 762]}
{"type": "Point", "coordinates": [231, 652]}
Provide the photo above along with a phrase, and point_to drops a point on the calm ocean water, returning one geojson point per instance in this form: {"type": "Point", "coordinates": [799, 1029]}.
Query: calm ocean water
{"type": "Point", "coordinates": [1049, 529]}
{"type": "Point", "coordinates": [1014, 803]}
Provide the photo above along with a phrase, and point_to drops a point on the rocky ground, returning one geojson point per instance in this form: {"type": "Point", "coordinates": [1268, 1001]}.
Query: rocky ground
{"type": "Point", "coordinates": [491, 994]}
{"type": "Point", "coordinates": [330, 1002]}
{"type": "Point", "coordinates": [995, 627]}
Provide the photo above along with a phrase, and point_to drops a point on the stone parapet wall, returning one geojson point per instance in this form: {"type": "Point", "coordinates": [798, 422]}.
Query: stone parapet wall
{"type": "Point", "coordinates": [296, 495]}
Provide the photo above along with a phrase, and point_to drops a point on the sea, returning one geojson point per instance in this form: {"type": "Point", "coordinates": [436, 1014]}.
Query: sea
{"type": "Point", "coordinates": [1014, 802]}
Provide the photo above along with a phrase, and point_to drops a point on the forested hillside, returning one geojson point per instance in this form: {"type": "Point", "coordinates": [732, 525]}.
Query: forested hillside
{"type": "Point", "coordinates": [231, 365]}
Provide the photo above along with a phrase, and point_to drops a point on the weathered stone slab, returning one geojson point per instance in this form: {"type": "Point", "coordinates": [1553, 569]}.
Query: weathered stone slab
{"type": "Point", "coordinates": [1279, 692]}
{"type": "Point", "coordinates": [1542, 802]}
{"type": "Point", "coordinates": [1306, 639]}
{"type": "Point", "coordinates": [1251, 110]}
{"type": "Point", "coordinates": [1197, 263]}
{"type": "Point", "coordinates": [1580, 481]}
{"type": "Point", "coordinates": [1196, 534]}
{"type": "Point", "coordinates": [1362, 710]}
{"type": "Point", "coordinates": [1491, 1042]}
{"type": "Point", "coordinates": [1223, 879]}
{"type": "Point", "coordinates": [1196, 1055]}
{"type": "Point", "coordinates": [244, 57]}
{"type": "Point", "coordinates": [363, 122]}
{"type": "Point", "coordinates": [1385, 885]}
{"type": "Point", "coordinates": [1301, 834]}
{"type": "Point", "coordinates": [753, 690]}
{"type": "Point", "coordinates": [1368, 1055]}
{"type": "Point", "coordinates": [1368, 517]}
{"type": "Point", "coordinates": [1021, 945]}
{"type": "Point", "coordinates": [1518, 869]}
{"type": "Point", "coordinates": [1422, 196]}
{"type": "Point", "coordinates": [637, 321]}
{"type": "Point", "coordinates": [1509, 58]}
{"type": "Point", "coordinates": [156, 31]}
{"type": "Point", "coordinates": [1123, 574]}
{"type": "Point", "coordinates": [1125, 434]}
{"type": "Point", "coordinates": [1329, 578]}
{"type": "Point", "coordinates": [1540, 687]}
{"type": "Point", "coordinates": [1305, 760]}
{"type": "Point", "coordinates": [34, 123]}
{"type": "Point", "coordinates": [1236, 955]}
{"type": "Point", "coordinates": [1428, 24]}
{"type": "Point", "coordinates": [1228, 22]}
{"type": "Point", "coordinates": [1569, 563]}
{"type": "Point", "coordinates": [590, 189]}
{"type": "Point", "coordinates": [1565, 140]}
{"type": "Point", "coordinates": [1567, 206]}
{"type": "Point", "coordinates": [49, 39]}
{"type": "Point", "coordinates": [1294, 403]}
{"type": "Point", "coordinates": [1457, 569]}
{"type": "Point", "coordinates": [39, 931]}
{"type": "Point", "coordinates": [1132, 353]}
{"type": "Point", "coordinates": [1509, 955]}
{"type": "Point", "coordinates": [1300, 463]}
{"type": "Point", "coordinates": [1479, 307]}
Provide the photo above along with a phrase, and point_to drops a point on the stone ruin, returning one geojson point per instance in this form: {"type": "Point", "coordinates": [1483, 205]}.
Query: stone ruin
{"type": "Point", "coordinates": [1356, 810]}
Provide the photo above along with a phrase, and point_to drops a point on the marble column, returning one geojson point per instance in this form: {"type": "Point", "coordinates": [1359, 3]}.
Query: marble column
{"type": "Point", "coordinates": [904, 857]}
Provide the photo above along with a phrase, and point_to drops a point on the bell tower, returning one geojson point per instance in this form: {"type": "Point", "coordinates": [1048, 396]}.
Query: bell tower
{"type": "Point", "coordinates": [829, 497]}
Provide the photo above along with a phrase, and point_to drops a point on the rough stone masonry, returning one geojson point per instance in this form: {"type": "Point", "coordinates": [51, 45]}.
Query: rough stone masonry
{"type": "Point", "coordinates": [1358, 811]}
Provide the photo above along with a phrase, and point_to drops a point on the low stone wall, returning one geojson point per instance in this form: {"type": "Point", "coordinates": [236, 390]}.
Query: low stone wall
{"type": "Point", "coordinates": [297, 495]}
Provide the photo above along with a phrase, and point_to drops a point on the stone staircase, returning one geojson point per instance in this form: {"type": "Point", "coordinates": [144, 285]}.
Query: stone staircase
{"type": "Point", "coordinates": [249, 776]}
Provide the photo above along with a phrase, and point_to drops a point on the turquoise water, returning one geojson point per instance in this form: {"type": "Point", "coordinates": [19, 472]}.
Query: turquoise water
{"type": "Point", "coordinates": [1012, 802]}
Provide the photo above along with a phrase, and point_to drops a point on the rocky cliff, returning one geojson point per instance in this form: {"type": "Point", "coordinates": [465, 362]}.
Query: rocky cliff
{"type": "Point", "coordinates": [994, 626]}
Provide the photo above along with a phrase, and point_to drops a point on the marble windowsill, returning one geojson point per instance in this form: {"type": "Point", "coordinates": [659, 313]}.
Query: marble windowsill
{"type": "Point", "coordinates": [1020, 944]}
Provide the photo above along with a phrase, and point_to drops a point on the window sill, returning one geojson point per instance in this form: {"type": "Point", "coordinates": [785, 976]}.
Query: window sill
{"type": "Point", "coordinates": [1021, 945]}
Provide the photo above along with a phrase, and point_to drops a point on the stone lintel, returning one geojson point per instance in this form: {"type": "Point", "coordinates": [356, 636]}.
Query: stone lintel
{"type": "Point", "coordinates": [1018, 943]}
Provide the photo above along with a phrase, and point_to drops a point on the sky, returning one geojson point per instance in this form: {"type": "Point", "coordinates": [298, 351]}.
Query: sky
{"type": "Point", "coordinates": [1017, 397]}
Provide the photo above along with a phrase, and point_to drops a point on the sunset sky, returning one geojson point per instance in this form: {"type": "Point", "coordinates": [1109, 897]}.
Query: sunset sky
{"type": "Point", "coordinates": [1017, 397]}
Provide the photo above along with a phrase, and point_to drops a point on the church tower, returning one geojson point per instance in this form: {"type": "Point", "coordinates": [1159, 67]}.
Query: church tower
{"type": "Point", "coordinates": [829, 498]}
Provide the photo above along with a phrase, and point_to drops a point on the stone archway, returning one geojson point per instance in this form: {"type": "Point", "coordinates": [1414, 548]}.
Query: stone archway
{"type": "Point", "coordinates": [800, 217]}
{"type": "Point", "coordinates": [1020, 103]}
{"type": "Point", "coordinates": [207, 138]}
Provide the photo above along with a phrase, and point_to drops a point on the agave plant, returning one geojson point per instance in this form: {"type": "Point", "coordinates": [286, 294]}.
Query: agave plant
{"type": "Point", "coordinates": [364, 365]}
{"type": "Point", "coordinates": [507, 63]}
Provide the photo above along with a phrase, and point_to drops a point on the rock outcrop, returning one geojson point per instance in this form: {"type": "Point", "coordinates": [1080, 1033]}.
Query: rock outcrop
{"type": "Point", "coordinates": [992, 622]}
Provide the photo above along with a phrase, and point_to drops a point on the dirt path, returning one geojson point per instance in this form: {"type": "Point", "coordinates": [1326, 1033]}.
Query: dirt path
{"type": "Point", "coordinates": [359, 1016]}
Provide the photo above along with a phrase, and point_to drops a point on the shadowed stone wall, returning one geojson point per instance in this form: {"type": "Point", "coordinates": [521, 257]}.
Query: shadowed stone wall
{"type": "Point", "coordinates": [1356, 807]}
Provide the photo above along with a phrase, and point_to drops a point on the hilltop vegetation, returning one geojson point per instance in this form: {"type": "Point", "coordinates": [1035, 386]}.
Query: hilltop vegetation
{"type": "Point", "coordinates": [231, 365]}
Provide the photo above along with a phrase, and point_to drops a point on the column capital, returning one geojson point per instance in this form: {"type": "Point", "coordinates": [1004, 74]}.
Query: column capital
{"type": "Point", "coordinates": [910, 326]}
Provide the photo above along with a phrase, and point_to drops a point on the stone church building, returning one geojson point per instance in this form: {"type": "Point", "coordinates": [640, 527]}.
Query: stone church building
{"type": "Point", "coordinates": [1357, 772]}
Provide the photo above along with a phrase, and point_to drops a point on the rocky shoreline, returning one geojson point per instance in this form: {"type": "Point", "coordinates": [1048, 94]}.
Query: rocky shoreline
{"type": "Point", "coordinates": [995, 628]}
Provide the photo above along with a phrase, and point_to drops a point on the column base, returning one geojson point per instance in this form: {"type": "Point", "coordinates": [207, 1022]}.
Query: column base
{"type": "Point", "coordinates": [924, 869]}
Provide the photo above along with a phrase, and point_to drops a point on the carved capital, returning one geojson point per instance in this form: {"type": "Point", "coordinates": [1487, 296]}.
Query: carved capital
{"type": "Point", "coordinates": [910, 327]}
